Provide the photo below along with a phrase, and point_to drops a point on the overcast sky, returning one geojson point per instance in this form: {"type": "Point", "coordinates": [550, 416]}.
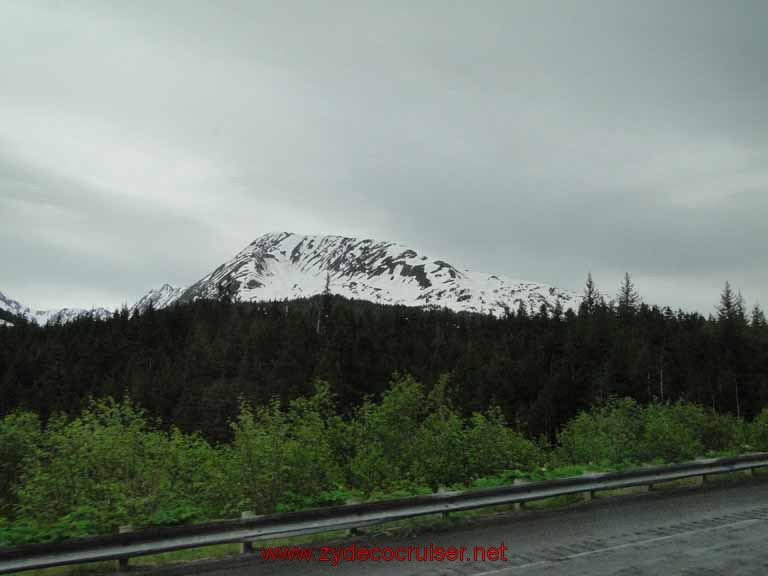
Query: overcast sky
{"type": "Point", "coordinates": [144, 142]}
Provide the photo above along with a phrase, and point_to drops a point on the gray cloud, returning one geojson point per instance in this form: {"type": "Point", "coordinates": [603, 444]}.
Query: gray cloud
{"type": "Point", "coordinates": [145, 142]}
{"type": "Point", "coordinates": [67, 242]}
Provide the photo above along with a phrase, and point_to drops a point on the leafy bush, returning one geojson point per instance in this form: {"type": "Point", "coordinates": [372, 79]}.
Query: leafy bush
{"type": "Point", "coordinates": [384, 435]}
{"type": "Point", "coordinates": [283, 456]}
{"type": "Point", "coordinates": [492, 447]}
{"type": "Point", "coordinates": [621, 432]}
{"type": "Point", "coordinates": [20, 441]}
{"type": "Point", "coordinates": [724, 434]}
{"type": "Point", "coordinates": [102, 463]}
{"type": "Point", "coordinates": [438, 450]}
{"type": "Point", "coordinates": [610, 434]}
{"type": "Point", "coordinates": [422, 439]}
{"type": "Point", "coordinates": [672, 432]}
{"type": "Point", "coordinates": [110, 467]}
{"type": "Point", "coordinates": [192, 481]}
{"type": "Point", "coordinates": [758, 431]}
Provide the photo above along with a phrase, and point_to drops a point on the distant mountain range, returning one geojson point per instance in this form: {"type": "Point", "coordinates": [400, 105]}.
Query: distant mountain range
{"type": "Point", "coordinates": [42, 317]}
{"type": "Point", "coordinates": [284, 265]}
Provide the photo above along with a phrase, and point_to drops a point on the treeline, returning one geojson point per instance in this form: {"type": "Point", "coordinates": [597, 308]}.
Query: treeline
{"type": "Point", "coordinates": [113, 465]}
{"type": "Point", "coordinates": [190, 365]}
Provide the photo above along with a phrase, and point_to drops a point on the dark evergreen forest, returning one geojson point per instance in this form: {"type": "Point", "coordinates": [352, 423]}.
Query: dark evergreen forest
{"type": "Point", "coordinates": [190, 364]}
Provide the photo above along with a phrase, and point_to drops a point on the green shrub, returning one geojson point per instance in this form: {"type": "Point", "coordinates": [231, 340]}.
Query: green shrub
{"type": "Point", "coordinates": [20, 441]}
{"type": "Point", "coordinates": [608, 435]}
{"type": "Point", "coordinates": [758, 431]}
{"type": "Point", "coordinates": [672, 432]}
{"type": "Point", "coordinates": [492, 447]}
{"type": "Point", "coordinates": [422, 439]}
{"type": "Point", "coordinates": [192, 481]}
{"type": "Point", "coordinates": [110, 467]}
{"type": "Point", "coordinates": [283, 456]}
{"type": "Point", "coordinates": [384, 436]}
{"type": "Point", "coordinates": [103, 463]}
{"type": "Point", "coordinates": [438, 450]}
{"type": "Point", "coordinates": [724, 434]}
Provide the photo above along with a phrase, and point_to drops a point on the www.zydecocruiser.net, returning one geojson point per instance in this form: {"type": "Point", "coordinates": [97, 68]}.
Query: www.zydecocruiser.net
{"type": "Point", "coordinates": [357, 553]}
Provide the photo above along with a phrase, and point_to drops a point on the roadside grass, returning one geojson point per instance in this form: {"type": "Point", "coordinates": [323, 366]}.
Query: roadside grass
{"type": "Point", "coordinates": [180, 556]}
{"type": "Point", "coordinates": [732, 477]}
{"type": "Point", "coordinates": [219, 551]}
{"type": "Point", "coordinates": [555, 502]}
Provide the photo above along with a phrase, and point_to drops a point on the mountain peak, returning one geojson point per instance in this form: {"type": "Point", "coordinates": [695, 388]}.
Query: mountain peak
{"type": "Point", "coordinates": [285, 265]}
{"type": "Point", "coordinates": [158, 298]}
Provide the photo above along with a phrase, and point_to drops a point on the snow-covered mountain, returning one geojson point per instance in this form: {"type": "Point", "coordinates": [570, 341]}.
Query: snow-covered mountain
{"type": "Point", "coordinates": [64, 315]}
{"type": "Point", "coordinates": [283, 265]}
{"type": "Point", "coordinates": [43, 317]}
{"type": "Point", "coordinates": [13, 307]}
{"type": "Point", "coordinates": [159, 298]}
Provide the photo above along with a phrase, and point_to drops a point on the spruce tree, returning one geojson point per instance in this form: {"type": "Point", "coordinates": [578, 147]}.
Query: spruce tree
{"type": "Point", "coordinates": [325, 304]}
{"type": "Point", "coordinates": [591, 297]}
{"type": "Point", "coordinates": [757, 319]}
{"type": "Point", "coordinates": [557, 311]}
{"type": "Point", "coordinates": [627, 299]}
{"type": "Point", "coordinates": [726, 310]}
{"type": "Point", "coordinates": [740, 312]}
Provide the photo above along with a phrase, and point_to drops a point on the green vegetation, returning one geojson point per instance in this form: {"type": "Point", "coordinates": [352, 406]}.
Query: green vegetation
{"type": "Point", "coordinates": [113, 464]}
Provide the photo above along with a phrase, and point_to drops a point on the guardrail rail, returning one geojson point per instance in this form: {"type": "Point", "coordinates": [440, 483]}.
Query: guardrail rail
{"type": "Point", "coordinates": [126, 545]}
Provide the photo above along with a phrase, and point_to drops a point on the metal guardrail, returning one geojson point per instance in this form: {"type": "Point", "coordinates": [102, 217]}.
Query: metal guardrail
{"type": "Point", "coordinates": [156, 540]}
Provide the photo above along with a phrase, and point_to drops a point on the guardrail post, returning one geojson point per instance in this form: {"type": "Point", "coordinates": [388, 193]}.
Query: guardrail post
{"type": "Point", "coordinates": [122, 563]}
{"type": "Point", "coordinates": [517, 506]}
{"type": "Point", "coordinates": [588, 496]}
{"type": "Point", "coordinates": [442, 490]}
{"type": "Point", "coordinates": [246, 547]}
{"type": "Point", "coordinates": [353, 531]}
{"type": "Point", "coordinates": [749, 472]}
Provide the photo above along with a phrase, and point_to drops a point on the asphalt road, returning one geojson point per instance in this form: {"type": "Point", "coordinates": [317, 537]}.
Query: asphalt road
{"type": "Point", "coordinates": [715, 530]}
